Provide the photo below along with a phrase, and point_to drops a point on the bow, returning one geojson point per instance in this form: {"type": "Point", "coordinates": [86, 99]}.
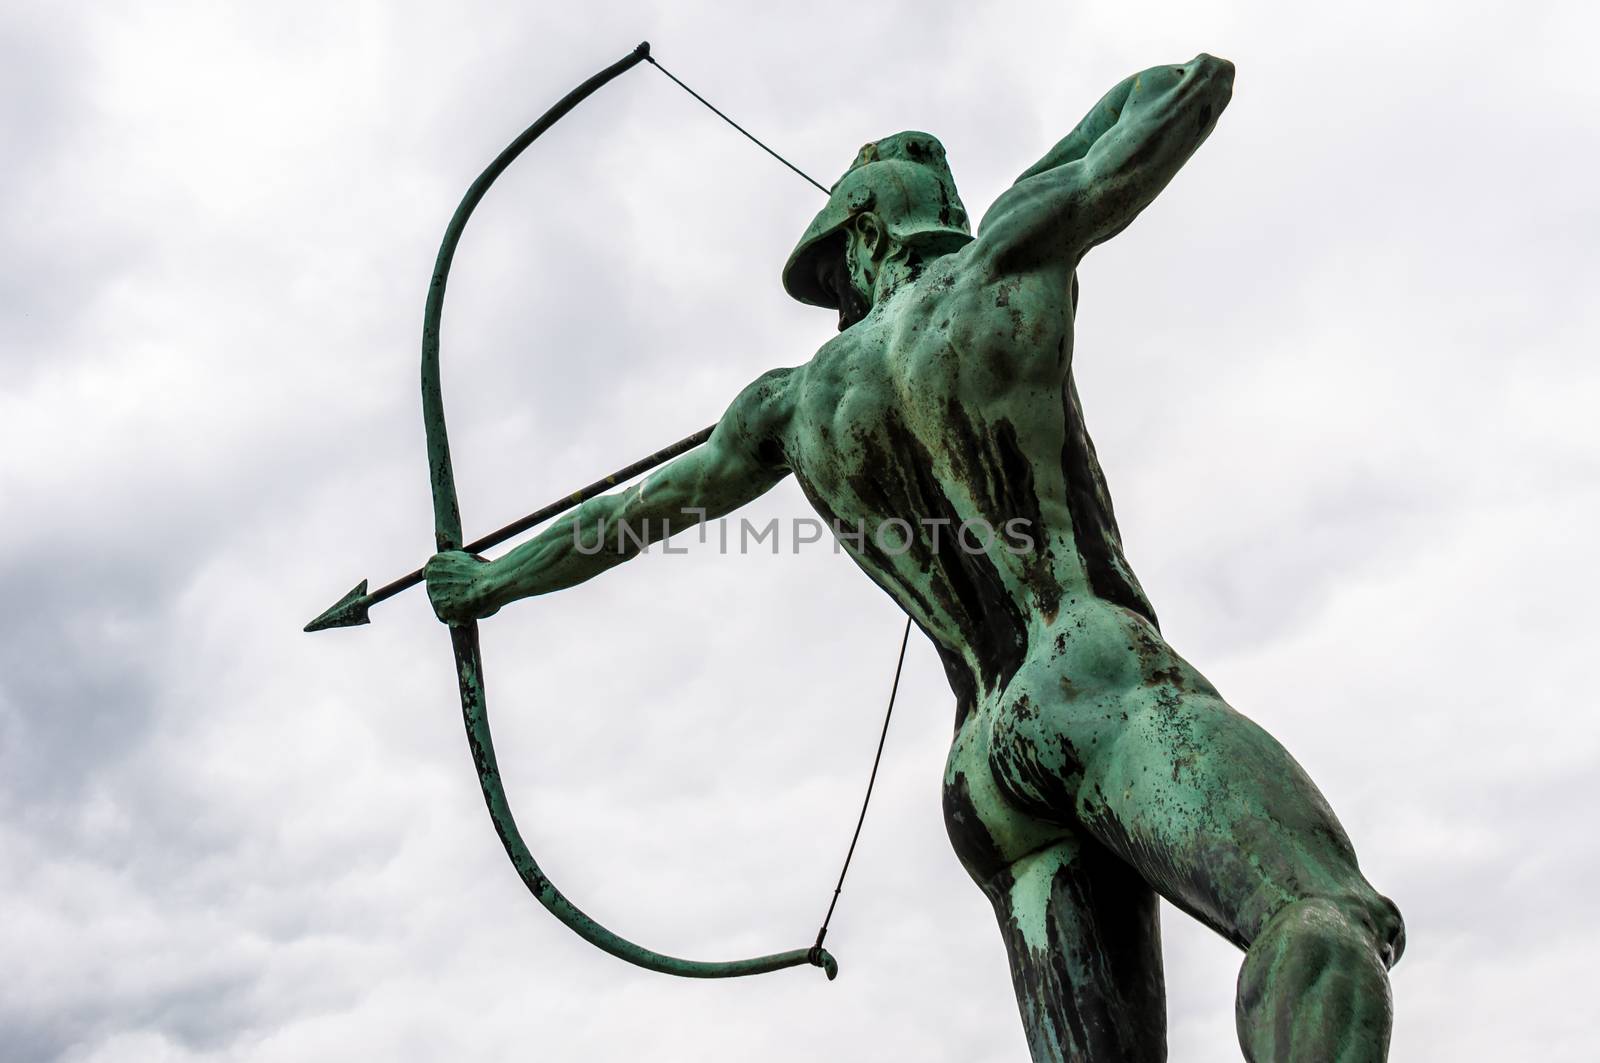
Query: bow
{"type": "Point", "coordinates": [464, 637]}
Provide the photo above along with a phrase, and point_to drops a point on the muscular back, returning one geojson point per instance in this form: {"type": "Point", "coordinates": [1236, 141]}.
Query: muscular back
{"type": "Point", "coordinates": [952, 403]}
{"type": "Point", "coordinates": [951, 406]}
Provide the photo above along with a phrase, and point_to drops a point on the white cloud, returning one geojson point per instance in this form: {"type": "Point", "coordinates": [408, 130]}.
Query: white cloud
{"type": "Point", "coordinates": [1341, 377]}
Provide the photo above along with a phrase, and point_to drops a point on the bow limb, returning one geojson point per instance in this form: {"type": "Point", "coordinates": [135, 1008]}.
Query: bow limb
{"type": "Point", "coordinates": [469, 660]}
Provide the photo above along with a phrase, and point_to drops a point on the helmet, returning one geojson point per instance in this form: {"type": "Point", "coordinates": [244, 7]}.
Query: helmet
{"type": "Point", "coordinates": [903, 179]}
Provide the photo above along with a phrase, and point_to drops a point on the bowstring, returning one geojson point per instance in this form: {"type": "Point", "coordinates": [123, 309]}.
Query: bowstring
{"type": "Point", "coordinates": [905, 636]}
{"type": "Point", "coordinates": [900, 663]}
{"type": "Point", "coordinates": [652, 61]}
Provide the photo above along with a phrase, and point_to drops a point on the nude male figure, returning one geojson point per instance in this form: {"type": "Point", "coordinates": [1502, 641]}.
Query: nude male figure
{"type": "Point", "coordinates": [1093, 769]}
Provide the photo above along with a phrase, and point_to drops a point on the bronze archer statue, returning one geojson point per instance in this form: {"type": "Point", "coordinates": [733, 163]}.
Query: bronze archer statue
{"type": "Point", "coordinates": [1093, 768]}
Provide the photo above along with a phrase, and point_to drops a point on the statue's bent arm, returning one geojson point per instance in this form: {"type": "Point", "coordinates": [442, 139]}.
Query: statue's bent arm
{"type": "Point", "coordinates": [1076, 144]}
{"type": "Point", "coordinates": [741, 461]}
{"type": "Point", "coordinates": [1098, 178]}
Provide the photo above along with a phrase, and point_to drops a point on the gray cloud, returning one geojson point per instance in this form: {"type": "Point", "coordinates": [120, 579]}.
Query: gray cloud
{"type": "Point", "coordinates": [1341, 377]}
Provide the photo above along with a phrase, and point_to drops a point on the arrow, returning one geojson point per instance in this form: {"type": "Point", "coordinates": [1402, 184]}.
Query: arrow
{"type": "Point", "coordinates": [351, 610]}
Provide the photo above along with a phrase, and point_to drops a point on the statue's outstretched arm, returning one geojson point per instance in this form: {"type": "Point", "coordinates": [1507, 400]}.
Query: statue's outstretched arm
{"type": "Point", "coordinates": [740, 462]}
{"type": "Point", "coordinates": [1108, 169]}
{"type": "Point", "coordinates": [1168, 114]}
{"type": "Point", "coordinates": [1076, 144]}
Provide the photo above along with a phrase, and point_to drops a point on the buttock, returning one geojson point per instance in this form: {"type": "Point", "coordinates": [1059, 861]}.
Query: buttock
{"type": "Point", "coordinates": [1016, 774]}
{"type": "Point", "coordinates": [992, 820]}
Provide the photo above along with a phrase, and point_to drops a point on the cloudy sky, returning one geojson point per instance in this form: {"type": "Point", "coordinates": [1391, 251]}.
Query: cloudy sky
{"type": "Point", "coordinates": [1342, 378]}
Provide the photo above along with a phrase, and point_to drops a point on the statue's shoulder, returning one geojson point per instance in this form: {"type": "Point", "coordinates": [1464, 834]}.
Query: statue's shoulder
{"type": "Point", "coordinates": [764, 407]}
{"type": "Point", "coordinates": [836, 352]}
{"type": "Point", "coordinates": [772, 384]}
{"type": "Point", "coordinates": [953, 286]}
{"type": "Point", "coordinates": [957, 274]}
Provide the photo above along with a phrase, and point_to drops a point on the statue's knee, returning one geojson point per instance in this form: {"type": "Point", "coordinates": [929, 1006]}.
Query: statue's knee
{"type": "Point", "coordinates": [1389, 930]}
{"type": "Point", "coordinates": [1331, 927]}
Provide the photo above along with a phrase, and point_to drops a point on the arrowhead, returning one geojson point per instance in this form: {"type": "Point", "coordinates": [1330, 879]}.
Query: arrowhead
{"type": "Point", "coordinates": [349, 611]}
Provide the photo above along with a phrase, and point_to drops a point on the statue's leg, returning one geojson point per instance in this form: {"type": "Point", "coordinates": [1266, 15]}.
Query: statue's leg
{"type": "Point", "coordinates": [1217, 816]}
{"type": "Point", "coordinates": [1082, 933]}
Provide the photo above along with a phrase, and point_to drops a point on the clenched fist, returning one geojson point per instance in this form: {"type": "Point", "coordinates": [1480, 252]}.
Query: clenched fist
{"type": "Point", "coordinates": [457, 587]}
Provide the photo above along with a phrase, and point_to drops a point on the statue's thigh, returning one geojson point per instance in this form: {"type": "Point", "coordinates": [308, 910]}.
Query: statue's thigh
{"type": "Point", "coordinates": [1214, 813]}
{"type": "Point", "coordinates": [1082, 935]}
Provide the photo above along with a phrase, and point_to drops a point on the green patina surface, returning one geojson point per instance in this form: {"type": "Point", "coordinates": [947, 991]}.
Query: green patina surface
{"type": "Point", "coordinates": [1093, 769]}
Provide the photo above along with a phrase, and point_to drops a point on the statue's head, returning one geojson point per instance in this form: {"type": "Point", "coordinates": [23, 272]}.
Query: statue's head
{"type": "Point", "coordinates": [897, 200]}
